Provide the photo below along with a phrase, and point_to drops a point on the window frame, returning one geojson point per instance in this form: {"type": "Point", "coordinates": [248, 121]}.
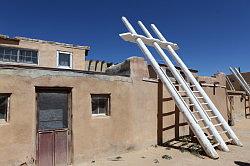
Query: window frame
{"type": "Point", "coordinates": [18, 56]}
{"type": "Point", "coordinates": [108, 111]}
{"type": "Point", "coordinates": [6, 120]}
{"type": "Point", "coordinates": [71, 58]}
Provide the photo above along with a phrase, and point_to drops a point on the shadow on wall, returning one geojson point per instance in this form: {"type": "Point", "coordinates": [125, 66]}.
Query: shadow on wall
{"type": "Point", "coordinates": [169, 127]}
{"type": "Point", "coordinates": [240, 163]}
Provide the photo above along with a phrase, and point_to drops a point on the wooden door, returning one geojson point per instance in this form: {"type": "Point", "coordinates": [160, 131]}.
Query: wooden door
{"type": "Point", "coordinates": [53, 128]}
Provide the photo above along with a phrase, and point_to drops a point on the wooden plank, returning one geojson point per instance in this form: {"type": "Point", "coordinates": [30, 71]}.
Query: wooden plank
{"type": "Point", "coordinates": [61, 148]}
{"type": "Point", "coordinates": [148, 41]}
{"type": "Point", "coordinates": [45, 148]}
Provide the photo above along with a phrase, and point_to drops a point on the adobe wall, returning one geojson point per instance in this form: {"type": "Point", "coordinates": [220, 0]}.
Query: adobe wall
{"type": "Point", "coordinates": [47, 52]}
{"type": "Point", "coordinates": [239, 96]}
{"type": "Point", "coordinates": [236, 106]}
{"type": "Point", "coordinates": [235, 82]}
{"type": "Point", "coordinates": [215, 87]}
{"type": "Point", "coordinates": [132, 123]}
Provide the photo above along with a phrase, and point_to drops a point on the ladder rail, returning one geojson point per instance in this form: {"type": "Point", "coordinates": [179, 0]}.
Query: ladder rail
{"type": "Point", "coordinates": [199, 88]}
{"type": "Point", "coordinates": [167, 82]}
{"type": "Point", "coordinates": [230, 83]}
{"type": "Point", "coordinates": [241, 80]}
{"type": "Point", "coordinates": [189, 92]}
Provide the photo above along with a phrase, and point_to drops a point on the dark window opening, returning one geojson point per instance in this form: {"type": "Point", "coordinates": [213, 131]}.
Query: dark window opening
{"type": "Point", "coordinates": [64, 59]}
{"type": "Point", "coordinates": [18, 55]}
{"type": "Point", "coordinates": [4, 107]}
{"type": "Point", "coordinates": [53, 110]}
{"type": "Point", "coordinates": [100, 104]}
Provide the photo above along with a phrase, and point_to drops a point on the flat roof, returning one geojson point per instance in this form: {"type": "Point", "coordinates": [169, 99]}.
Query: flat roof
{"type": "Point", "coordinates": [18, 38]}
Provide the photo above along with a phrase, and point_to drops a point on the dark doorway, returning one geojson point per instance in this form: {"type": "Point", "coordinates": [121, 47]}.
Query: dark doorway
{"type": "Point", "coordinates": [53, 127]}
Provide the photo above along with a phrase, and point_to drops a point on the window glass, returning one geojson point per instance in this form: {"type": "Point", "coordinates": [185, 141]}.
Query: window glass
{"type": "Point", "coordinates": [64, 59]}
{"type": "Point", "coordinates": [18, 55]}
{"type": "Point", "coordinates": [3, 107]}
{"type": "Point", "coordinates": [100, 104]}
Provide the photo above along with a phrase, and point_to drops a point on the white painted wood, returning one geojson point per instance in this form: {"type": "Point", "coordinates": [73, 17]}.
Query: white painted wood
{"type": "Point", "coordinates": [176, 96]}
{"type": "Point", "coordinates": [193, 98]}
{"type": "Point", "coordinates": [148, 41]}
{"type": "Point", "coordinates": [190, 76]}
{"type": "Point", "coordinates": [57, 60]}
{"type": "Point", "coordinates": [241, 80]}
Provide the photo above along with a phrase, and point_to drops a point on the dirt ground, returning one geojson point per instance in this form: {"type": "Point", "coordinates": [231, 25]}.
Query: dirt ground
{"type": "Point", "coordinates": [157, 155]}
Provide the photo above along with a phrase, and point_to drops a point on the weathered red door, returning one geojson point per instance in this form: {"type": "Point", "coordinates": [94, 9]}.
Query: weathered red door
{"type": "Point", "coordinates": [53, 128]}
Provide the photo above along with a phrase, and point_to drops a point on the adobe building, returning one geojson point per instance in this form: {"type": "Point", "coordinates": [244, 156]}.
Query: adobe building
{"type": "Point", "coordinates": [57, 108]}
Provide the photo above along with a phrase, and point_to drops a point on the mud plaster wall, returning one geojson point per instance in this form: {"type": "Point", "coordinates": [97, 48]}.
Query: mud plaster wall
{"type": "Point", "coordinates": [132, 123]}
{"type": "Point", "coordinates": [47, 53]}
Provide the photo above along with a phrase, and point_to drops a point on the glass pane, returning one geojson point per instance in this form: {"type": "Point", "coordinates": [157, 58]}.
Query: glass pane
{"type": "Point", "coordinates": [1, 50]}
{"type": "Point", "coordinates": [28, 59]}
{"type": "Point", "coordinates": [22, 52]}
{"type": "Point", "coordinates": [34, 60]}
{"type": "Point", "coordinates": [3, 107]}
{"type": "Point", "coordinates": [14, 52]}
{"type": "Point", "coordinates": [100, 104]}
{"type": "Point", "coordinates": [53, 110]}
{"type": "Point", "coordinates": [34, 53]}
{"type": "Point", "coordinates": [7, 51]}
{"type": "Point", "coordinates": [21, 58]}
{"type": "Point", "coordinates": [64, 59]}
{"type": "Point", "coordinates": [94, 104]}
{"type": "Point", "coordinates": [103, 103]}
{"type": "Point", "coordinates": [13, 58]}
{"type": "Point", "coordinates": [6, 58]}
{"type": "Point", "coordinates": [28, 53]}
{"type": "Point", "coordinates": [1, 56]}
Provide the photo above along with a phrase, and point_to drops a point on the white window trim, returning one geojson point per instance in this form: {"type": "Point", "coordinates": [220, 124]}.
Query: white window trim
{"type": "Point", "coordinates": [57, 60]}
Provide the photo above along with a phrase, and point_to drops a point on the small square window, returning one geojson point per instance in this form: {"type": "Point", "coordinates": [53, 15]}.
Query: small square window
{"type": "Point", "coordinates": [64, 59]}
{"type": "Point", "coordinates": [100, 104]}
{"type": "Point", "coordinates": [4, 107]}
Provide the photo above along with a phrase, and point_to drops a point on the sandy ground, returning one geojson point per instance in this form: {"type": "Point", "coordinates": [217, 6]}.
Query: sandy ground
{"type": "Point", "coordinates": [154, 155]}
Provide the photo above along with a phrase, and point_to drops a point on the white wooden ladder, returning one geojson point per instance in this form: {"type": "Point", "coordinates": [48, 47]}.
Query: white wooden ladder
{"type": "Point", "coordinates": [241, 80]}
{"type": "Point", "coordinates": [201, 114]}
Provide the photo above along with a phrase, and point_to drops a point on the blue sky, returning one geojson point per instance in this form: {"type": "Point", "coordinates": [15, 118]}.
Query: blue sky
{"type": "Point", "coordinates": [212, 34]}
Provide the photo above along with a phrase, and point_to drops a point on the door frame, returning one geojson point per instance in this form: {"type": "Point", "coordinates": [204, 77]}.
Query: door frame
{"type": "Point", "coordinates": [68, 90]}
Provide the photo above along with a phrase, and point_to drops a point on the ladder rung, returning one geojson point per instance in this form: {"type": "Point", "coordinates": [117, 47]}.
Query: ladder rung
{"type": "Point", "coordinates": [229, 140]}
{"type": "Point", "coordinates": [217, 124]}
{"type": "Point", "coordinates": [196, 97]}
{"type": "Point", "coordinates": [205, 110]}
{"type": "Point", "coordinates": [222, 132]}
{"type": "Point", "coordinates": [196, 91]}
{"type": "Point", "coordinates": [212, 117]}
{"type": "Point", "coordinates": [217, 144]}
{"type": "Point", "coordinates": [193, 104]}
{"type": "Point", "coordinates": [206, 127]}
{"type": "Point", "coordinates": [200, 120]}
{"type": "Point", "coordinates": [181, 91]}
{"type": "Point", "coordinates": [219, 133]}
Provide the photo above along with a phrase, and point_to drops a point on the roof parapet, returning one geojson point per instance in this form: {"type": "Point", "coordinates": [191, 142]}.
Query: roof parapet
{"type": "Point", "coordinates": [18, 38]}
